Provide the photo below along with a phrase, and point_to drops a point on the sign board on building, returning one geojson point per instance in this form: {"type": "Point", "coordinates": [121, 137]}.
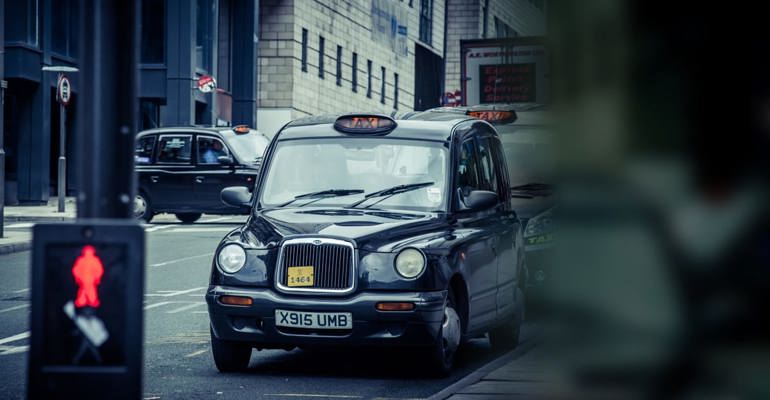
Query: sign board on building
{"type": "Point", "coordinates": [389, 25]}
{"type": "Point", "coordinates": [514, 70]}
{"type": "Point", "coordinates": [63, 90]}
{"type": "Point", "coordinates": [207, 84]}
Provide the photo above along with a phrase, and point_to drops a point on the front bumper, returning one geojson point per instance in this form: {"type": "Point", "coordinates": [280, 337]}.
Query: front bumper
{"type": "Point", "coordinates": [256, 323]}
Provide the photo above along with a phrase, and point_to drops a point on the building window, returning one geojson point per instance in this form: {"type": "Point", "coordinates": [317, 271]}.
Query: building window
{"type": "Point", "coordinates": [64, 28]}
{"type": "Point", "coordinates": [354, 75]}
{"type": "Point", "coordinates": [21, 21]}
{"type": "Point", "coordinates": [369, 79]}
{"type": "Point", "coordinates": [382, 86]}
{"type": "Point", "coordinates": [339, 65]}
{"type": "Point", "coordinates": [149, 113]}
{"type": "Point", "coordinates": [395, 91]}
{"type": "Point", "coordinates": [153, 44]}
{"type": "Point", "coordinates": [503, 30]}
{"type": "Point", "coordinates": [304, 50]}
{"type": "Point", "coordinates": [426, 21]}
{"type": "Point", "coordinates": [321, 42]}
{"type": "Point", "coordinates": [203, 35]}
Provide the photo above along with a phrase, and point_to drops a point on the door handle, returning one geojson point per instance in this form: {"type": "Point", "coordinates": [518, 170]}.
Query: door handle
{"type": "Point", "coordinates": [199, 179]}
{"type": "Point", "coordinates": [154, 179]}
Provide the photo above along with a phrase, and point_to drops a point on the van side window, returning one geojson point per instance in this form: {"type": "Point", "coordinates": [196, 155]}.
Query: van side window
{"type": "Point", "coordinates": [143, 150]}
{"type": "Point", "coordinates": [175, 149]}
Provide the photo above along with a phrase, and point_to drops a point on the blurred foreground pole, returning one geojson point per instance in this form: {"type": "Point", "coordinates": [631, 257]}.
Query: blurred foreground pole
{"type": "Point", "coordinates": [107, 112]}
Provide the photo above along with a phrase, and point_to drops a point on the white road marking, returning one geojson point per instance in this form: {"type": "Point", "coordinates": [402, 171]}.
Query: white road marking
{"type": "Point", "coordinates": [217, 219]}
{"type": "Point", "coordinates": [21, 225]}
{"type": "Point", "coordinates": [158, 227]}
{"type": "Point", "coordinates": [336, 396]}
{"type": "Point", "coordinates": [185, 308]}
{"type": "Point", "coordinates": [203, 229]}
{"type": "Point", "coordinates": [7, 350]}
{"type": "Point", "coordinates": [162, 303]}
{"type": "Point", "coordinates": [14, 338]}
{"type": "Point", "coordinates": [196, 353]}
{"type": "Point", "coordinates": [14, 308]}
{"type": "Point", "coordinates": [169, 293]}
{"type": "Point", "coordinates": [199, 312]}
{"type": "Point", "coordinates": [22, 290]}
{"type": "Point", "coordinates": [181, 260]}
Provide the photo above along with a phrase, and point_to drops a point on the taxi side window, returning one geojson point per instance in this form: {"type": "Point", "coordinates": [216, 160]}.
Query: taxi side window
{"type": "Point", "coordinates": [467, 168]}
{"type": "Point", "coordinates": [144, 149]}
{"type": "Point", "coordinates": [210, 149]}
{"type": "Point", "coordinates": [500, 169]}
{"type": "Point", "coordinates": [487, 166]}
{"type": "Point", "coordinates": [175, 149]}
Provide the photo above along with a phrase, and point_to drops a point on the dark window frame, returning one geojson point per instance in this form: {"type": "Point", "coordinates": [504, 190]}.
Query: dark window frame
{"type": "Point", "coordinates": [382, 85]}
{"type": "Point", "coordinates": [395, 90]}
{"type": "Point", "coordinates": [426, 21]}
{"type": "Point", "coordinates": [339, 65]}
{"type": "Point", "coordinates": [304, 50]}
{"type": "Point", "coordinates": [354, 75]}
{"type": "Point", "coordinates": [321, 44]}
{"type": "Point", "coordinates": [369, 79]}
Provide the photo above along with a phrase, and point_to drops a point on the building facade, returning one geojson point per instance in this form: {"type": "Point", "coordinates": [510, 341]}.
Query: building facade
{"type": "Point", "coordinates": [485, 19]}
{"type": "Point", "coordinates": [348, 55]}
{"type": "Point", "coordinates": [181, 40]}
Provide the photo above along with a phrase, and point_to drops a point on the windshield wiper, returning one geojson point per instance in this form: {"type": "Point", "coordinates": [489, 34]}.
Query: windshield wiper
{"type": "Point", "coordinates": [531, 190]}
{"type": "Point", "coordinates": [323, 194]}
{"type": "Point", "coordinates": [391, 192]}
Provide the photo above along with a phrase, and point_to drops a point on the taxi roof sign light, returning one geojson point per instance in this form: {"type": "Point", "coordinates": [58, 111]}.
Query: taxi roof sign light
{"type": "Point", "coordinates": [365, 124]}
{"type": "Point", "coordinates": [494, 116]}
{"type": "Point", "coordinates": [241, 129]}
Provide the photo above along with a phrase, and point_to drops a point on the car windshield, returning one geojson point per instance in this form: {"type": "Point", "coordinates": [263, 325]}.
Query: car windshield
{"type": "Point", "coordinates": [248, 147]}
{"type": "Point", "coordinates": [355, 167]}
{"type": "Point", "coordinates": [529, 154]}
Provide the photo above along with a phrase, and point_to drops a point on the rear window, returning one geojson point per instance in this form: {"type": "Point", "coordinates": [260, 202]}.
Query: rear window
{"type": "Point", "coordinates": [144, 149]}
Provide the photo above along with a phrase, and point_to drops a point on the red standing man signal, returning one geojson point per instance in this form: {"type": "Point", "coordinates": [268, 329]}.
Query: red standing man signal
{"type": "Point", "coordinates": [88, 271]}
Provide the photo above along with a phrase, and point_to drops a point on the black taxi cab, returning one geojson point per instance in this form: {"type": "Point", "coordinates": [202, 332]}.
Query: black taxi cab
{"type": "Point", "coordinates": [526, 133]}
{"type": "Point", "coordinates": [182, 170]}
{"type": "Point", "coordinates": [370, 231]}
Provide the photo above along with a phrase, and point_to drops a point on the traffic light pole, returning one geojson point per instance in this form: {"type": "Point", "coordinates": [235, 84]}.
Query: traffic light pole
{"type": "Point", "coordinates": [107, 109]}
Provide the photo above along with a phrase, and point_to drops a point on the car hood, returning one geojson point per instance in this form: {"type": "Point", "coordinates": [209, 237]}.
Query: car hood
{"type": "Point", "coordinates": [369, 229]}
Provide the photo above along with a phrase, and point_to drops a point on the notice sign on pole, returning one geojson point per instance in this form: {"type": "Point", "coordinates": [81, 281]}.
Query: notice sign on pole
{"type": "Point", "coordinates": [63, 90]}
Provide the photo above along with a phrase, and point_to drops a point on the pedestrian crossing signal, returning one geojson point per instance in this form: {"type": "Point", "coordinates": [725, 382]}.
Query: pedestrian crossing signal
{"type": "Point", "coordinates": [87, 271]}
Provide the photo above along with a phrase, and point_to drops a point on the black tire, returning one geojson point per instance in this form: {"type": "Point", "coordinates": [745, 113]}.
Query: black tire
{"type": "Point", "coordinates": [506, 336]}
{"type": "Point", "coordinates": [230, 356]}
{"type": "Point", "coordinates": [188, 218]}
{"type": "Point", "coordinates": [143, 208]}
{"type": "Point", "coordinates": [441, 356]}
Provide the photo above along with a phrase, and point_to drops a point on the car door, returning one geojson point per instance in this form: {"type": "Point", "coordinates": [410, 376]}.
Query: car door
{"type": "Point", "coordinates": [212, 176]}
{"type": "Point", "coordinates": [480, 262]}
{"type": "Point", "coordinates": [506, 226]}
{"type": "Point", "coordinates": [171, 182]}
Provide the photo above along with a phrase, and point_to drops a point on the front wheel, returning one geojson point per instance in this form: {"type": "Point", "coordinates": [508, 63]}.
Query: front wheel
{"type": "Point", "coordinates": [188, 218]}
{"type": "Point", "coordinates": [230, 356]}
{"type": "Point", "coordinates": [143, 208]}
{"type": "Point", "coordinates": [441, 356]}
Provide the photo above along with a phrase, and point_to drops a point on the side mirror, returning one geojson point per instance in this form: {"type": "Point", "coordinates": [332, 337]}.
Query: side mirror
{"type": "Point", "coordinates": [226, 160]}
{"type": "Point", "coordinates": [478, 200]}
{"type": "Point", "coordinates": [236, 196]}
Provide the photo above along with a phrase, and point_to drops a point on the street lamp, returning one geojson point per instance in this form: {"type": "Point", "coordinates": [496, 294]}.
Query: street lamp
{"type": "Point", "coordinates": [63, 93]}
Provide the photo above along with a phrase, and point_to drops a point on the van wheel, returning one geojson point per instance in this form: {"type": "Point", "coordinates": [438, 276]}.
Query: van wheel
{"type": "Point", "coordinates": [230, 356]}
{"type": "Point", "coordinates": [188, 218]}
{"type": "Point", "coordinates": [142, 208]}
{"type": "Point", "coordinates": [506, 336]}
{"type": "Point", "coordinates": [441, 356]}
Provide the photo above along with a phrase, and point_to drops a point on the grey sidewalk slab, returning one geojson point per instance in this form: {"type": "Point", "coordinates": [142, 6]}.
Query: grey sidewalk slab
{"type": "Point", "coordinates": [41, 213]}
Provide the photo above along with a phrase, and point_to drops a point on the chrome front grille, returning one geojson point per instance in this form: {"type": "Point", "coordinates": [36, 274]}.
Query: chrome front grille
{"type": "Point", "coordinates": [333, 263]}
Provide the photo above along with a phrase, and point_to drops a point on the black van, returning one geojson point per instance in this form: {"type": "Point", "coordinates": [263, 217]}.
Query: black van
{"type": "Point", "coordinates": [182, 170]}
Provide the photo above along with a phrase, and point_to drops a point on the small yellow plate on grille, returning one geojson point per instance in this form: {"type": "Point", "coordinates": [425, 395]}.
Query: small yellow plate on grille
{"type": "Point", "coordinates": [300, 276]}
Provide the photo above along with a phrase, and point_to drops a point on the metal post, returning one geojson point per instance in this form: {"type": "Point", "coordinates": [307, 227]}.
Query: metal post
{"type": "Point", "coordinates": [214, 58]}
{"type": "Point", "coordinates": [107, 108]}
{"type": "Point", "coordinates": [3, 85]}
{"type": "Point", "coordinates": [62, 185]}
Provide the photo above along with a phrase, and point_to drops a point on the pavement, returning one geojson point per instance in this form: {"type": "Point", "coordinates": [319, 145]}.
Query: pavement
{"type": "Point", "coordinates": [177, 331]}
{"type": "Point", "coordinates": [19, 219]}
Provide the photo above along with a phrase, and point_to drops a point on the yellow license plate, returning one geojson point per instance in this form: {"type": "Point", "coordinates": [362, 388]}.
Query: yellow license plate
{"type": "Point", "coordinates": [301, 276]}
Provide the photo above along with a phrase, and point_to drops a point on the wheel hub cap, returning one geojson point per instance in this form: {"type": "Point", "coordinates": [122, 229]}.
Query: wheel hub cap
{"type": "Point", "coordinates": [451, 330]}
{"type": "Point", "coordinates": [140, 206]}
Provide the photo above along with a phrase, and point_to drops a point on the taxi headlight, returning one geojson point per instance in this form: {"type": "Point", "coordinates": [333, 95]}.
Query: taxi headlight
{"type": "Point", "coordinates": [231, 258]}
{"type": "Point", "coordinates": [410, 263]}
